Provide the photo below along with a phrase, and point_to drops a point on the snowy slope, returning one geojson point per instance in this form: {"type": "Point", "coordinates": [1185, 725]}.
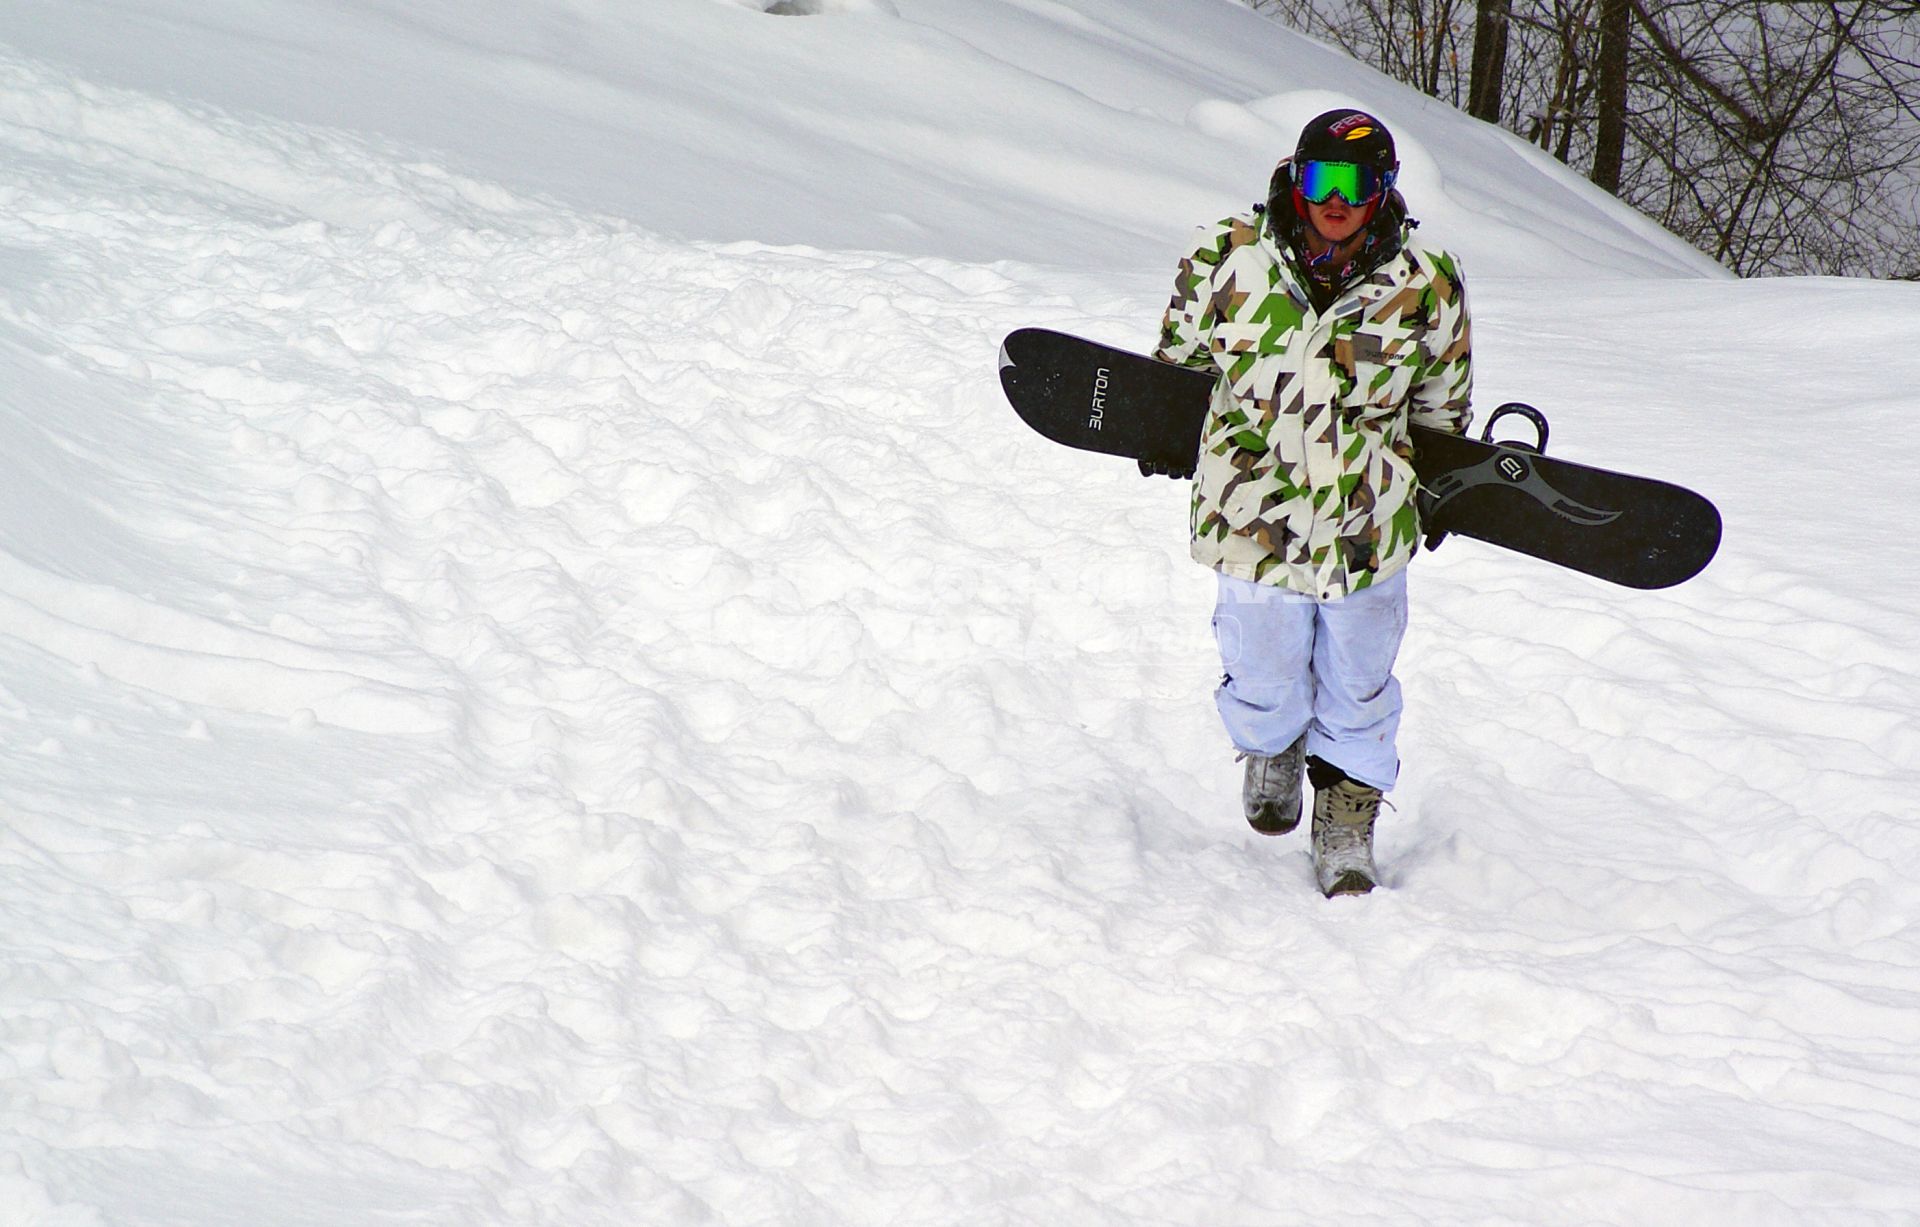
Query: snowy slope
{"type": "Point", "coordinates": [1094, 133]}
{"type": "Point", "coordinates": [512, 715]}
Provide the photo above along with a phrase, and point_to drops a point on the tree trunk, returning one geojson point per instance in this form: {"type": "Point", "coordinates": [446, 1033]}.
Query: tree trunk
{"type": "Point", "coordinates": [1610, 128]}
{"type": "Point", "coordinates": [1488, 74]}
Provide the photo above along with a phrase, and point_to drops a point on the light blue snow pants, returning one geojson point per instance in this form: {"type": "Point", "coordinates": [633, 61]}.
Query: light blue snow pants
{"type": "Point", "coordinates": [1294, 664]}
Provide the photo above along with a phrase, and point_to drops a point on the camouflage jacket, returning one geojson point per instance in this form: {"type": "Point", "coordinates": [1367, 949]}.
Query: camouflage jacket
{"type": "Point", "coordinates": [1305, 479]}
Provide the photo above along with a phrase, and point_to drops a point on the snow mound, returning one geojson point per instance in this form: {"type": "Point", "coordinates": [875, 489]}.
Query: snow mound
{"type": "Point", "coordinates": [1085, 133]}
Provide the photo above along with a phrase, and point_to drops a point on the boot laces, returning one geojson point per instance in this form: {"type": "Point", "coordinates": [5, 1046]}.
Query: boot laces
{"type": "Point", "coordinates": [1352, 805]}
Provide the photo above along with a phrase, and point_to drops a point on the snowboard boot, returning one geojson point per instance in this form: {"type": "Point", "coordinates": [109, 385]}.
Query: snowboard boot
{"type": "Point", "coordinates": [1270, 794]}
{"type": "Point", "coordinates": [1344, 810]}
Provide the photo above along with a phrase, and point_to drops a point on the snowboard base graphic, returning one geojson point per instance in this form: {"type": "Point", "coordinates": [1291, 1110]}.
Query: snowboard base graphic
{"type": "Point", "coordinates": [1618, 527]}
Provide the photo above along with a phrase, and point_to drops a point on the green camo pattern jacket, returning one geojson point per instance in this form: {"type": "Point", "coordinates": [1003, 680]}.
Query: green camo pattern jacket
{"type": "Point", "coordinates": [1305, 478]}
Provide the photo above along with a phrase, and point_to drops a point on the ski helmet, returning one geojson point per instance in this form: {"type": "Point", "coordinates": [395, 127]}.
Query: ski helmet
{"type": "Point", "coordinates": [1337, 140]}
{"type": "Point", "coordinates": [1347, 135]}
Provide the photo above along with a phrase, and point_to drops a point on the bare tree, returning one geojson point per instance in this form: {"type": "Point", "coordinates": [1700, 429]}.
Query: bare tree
{"type": "Point", "coordinates": [1488, 76]}
{"type": "Point", "coordinates": [1791, 126]}
{"type": "Point", "coordinates": [1779, 136]}
{"type": "Point", "coordinates": [1416, 41]}
{"type": "Point", "coordinates": [1610, 98]}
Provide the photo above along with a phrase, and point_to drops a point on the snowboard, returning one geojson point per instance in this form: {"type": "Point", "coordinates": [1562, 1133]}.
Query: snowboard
{"type": "Point", "coordinates": [1629, 530]}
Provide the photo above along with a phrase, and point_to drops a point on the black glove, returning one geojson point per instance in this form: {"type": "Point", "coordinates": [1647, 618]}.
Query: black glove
{"type": "Point", "coordinates": [1149, 469]}
{"type": "Point", "coordinates": [1429, 519]}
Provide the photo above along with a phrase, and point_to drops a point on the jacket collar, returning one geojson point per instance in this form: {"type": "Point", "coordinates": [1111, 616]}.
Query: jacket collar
{"type": "Point", "coordinates": [1381, 275]}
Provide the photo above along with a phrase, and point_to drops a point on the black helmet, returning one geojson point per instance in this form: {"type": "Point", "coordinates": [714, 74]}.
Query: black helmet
{"type": "Point", "coordinates": [1347, 135]}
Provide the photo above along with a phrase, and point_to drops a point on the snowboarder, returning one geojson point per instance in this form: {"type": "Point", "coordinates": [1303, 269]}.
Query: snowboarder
{"type": "Point", "coordinates": [1331, 330]}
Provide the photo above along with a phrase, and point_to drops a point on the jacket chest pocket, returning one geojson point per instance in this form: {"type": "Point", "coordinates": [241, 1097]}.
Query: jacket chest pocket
{"type": "Point", "coordinates": [1376, 361]}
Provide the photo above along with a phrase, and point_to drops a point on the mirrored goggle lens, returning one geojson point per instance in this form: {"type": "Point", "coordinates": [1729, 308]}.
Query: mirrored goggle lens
{"type": "Point", "coordinates": [1321, 181]}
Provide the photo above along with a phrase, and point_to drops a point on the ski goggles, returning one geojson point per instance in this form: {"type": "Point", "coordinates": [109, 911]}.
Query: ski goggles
{"type": "Point", "coordinates": [1320, 182]}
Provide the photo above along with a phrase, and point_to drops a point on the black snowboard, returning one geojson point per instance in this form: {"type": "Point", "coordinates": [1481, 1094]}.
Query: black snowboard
{"type": "Point", "coordinates": [1629, 530]}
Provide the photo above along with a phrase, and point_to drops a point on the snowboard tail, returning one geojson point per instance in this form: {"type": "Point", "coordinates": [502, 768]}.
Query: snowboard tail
{"type": "Point", "coordinates": [1629, 530]}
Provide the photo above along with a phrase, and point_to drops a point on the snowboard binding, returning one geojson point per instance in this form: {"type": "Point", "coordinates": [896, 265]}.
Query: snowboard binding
{"type": "Point", "coordinates": [1508, 466]}
{"type": "Point", "coordinates": [1514, 408]}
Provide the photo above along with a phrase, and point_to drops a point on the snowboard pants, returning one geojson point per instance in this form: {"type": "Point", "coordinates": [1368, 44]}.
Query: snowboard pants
{"type": "Point", "coordinates": [1294, 665]}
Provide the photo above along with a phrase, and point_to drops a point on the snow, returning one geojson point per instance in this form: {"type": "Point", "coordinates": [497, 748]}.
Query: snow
{"type": "Point", "coordinates": [540, 681]}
